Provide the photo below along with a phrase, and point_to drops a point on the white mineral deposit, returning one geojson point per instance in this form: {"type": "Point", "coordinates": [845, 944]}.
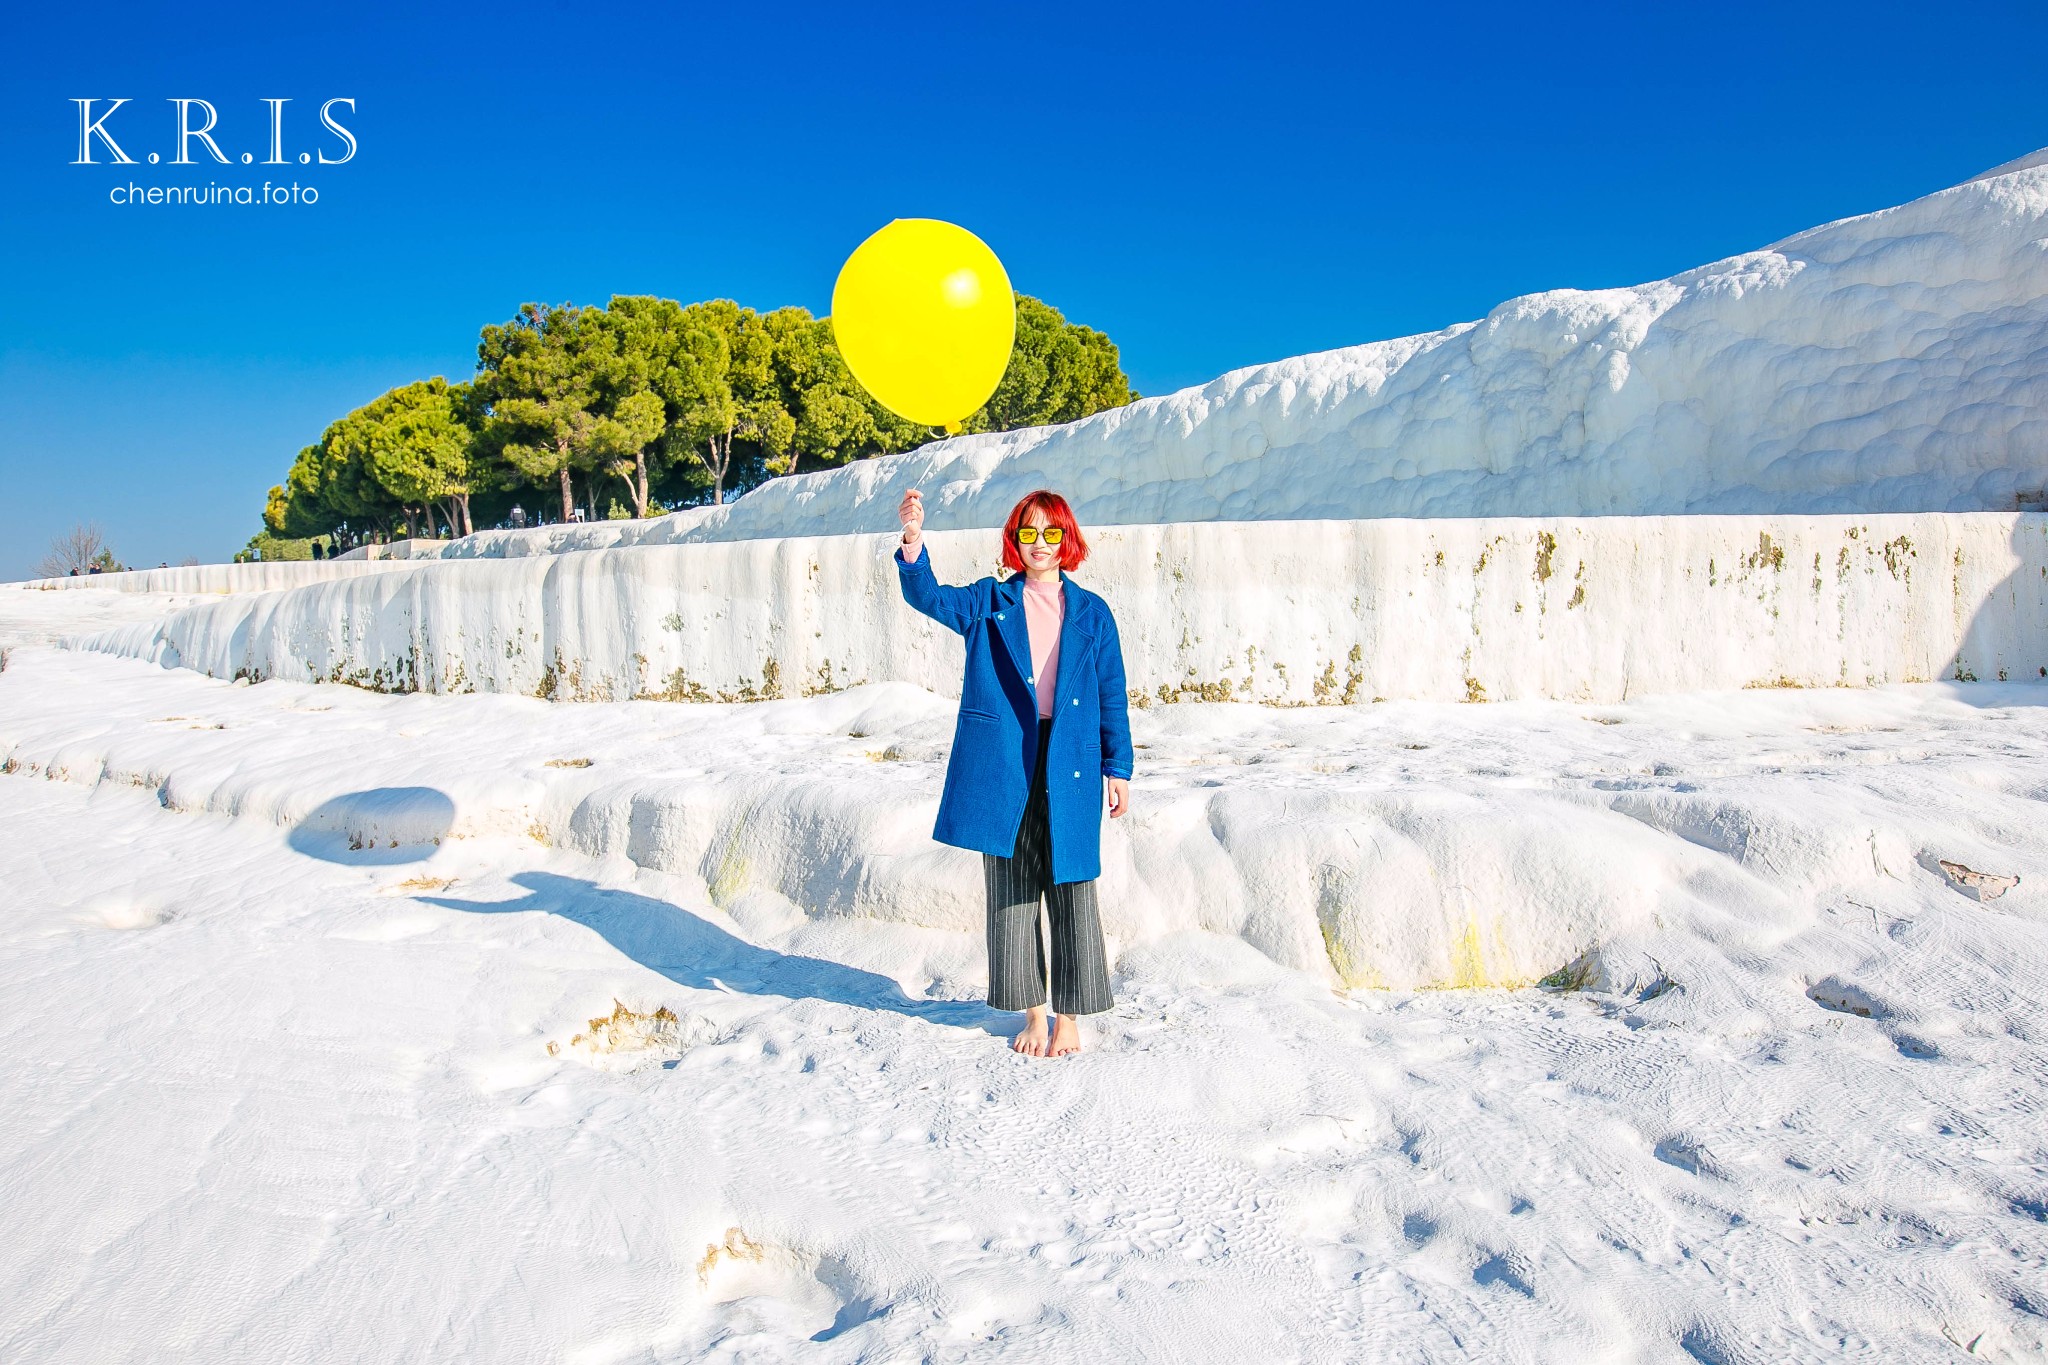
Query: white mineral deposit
{"type": "Point", "coordinates": [1585, 897]}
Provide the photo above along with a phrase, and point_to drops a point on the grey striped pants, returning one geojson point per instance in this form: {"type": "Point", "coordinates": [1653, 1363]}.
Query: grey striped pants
{"type": "Point", "coordinates": [1016, 947]}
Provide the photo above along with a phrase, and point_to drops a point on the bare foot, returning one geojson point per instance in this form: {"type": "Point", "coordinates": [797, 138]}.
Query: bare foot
{"type": "Point", "coordinates": [1031, 1038]}
{"type": "Point", "coordinates": [1066, 1035]}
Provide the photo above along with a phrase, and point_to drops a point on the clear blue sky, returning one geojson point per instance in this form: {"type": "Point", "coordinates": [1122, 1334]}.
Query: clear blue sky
{"type": "Point", "coordinates": [1211, 186]}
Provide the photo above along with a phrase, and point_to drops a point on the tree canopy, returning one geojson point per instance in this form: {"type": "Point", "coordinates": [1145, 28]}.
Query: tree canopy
{"type": "Point", "coordinates": [1059, 372]}
{"type": "Point", "coordinates": [674, 404]}
{"type": "Point", "coordinates": [392, 458]}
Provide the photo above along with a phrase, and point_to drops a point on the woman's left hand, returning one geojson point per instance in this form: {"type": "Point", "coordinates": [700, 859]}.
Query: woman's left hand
{"type": "Point", "coordinates": [1119, 795]}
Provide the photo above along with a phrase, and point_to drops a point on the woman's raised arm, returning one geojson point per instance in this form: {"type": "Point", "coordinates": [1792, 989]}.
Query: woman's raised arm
{"type": "Point", "coordinates": [954, 608]}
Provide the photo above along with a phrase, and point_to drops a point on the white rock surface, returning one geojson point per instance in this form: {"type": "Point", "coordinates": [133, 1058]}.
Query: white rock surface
{"type": "Point", "coordinates": [1335, 840]}
{"type": "Point", "coordinates": [340, 1029]}
{"type": "Point", "coordinates": [1594, 608]}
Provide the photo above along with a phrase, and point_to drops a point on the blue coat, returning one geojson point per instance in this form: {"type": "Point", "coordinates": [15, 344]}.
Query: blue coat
{"type": "Point", "coordinates": [995, 740]}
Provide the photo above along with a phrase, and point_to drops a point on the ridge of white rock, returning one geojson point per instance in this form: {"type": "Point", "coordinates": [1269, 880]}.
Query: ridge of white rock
{"type": "Point", "coordinates": [1290, 613]}
{"type": "Point", "coordinates": [1895, 361]}
{"type": "Point", "coordinates": [2018, 163]}
{"type": "Point", "coordinates": [276, 576]}
{"type": "Point", "coordinates": [1407, 846]}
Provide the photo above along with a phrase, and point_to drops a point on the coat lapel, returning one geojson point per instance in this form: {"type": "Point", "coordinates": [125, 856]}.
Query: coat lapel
{"type": "Point", "coordinates": [1077, 628]}
{"type": "Point", "coordinates": [1010, 623]}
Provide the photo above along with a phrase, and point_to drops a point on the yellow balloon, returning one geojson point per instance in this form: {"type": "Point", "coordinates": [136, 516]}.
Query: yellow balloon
{"type": "Point", "coordinates": [924, 316]}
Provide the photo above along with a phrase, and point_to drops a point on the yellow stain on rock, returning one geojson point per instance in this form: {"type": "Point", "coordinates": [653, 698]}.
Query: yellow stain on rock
{"type": "Point", "coordinates": [1355, 974]}
{"type": "Point", "coordinates": [737, 1246]}
{"type": "Point", "coordinates": [732, 872]}
{"type": "Point", "coordinates": [1476, 963]}
{"type": "Point", "coordinates": [1469, 969]}
{"type": "Point", "coordinates": [1468, 960]}
{"type": "Point", "coordinates": [626, 1030]}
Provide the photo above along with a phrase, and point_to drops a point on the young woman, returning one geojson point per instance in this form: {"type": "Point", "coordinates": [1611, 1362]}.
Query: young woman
{"type": "Point", "coordinates": [1044, 729]}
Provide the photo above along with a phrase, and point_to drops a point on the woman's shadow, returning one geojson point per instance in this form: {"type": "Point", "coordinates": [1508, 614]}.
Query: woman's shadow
{"type": "Point", "coordinates": [699, 954]}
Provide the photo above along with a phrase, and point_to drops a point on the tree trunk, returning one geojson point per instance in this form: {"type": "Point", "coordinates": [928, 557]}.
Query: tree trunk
{"type": "Point", "coordinates": [639, 484]}
{"type": "Point", "coordinates": [462, 506]}
{"type": "Point", "coordinates": [568, 497]}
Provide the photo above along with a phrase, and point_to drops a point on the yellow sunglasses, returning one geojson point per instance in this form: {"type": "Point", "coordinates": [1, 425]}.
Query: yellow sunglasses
{"type": "Point", "coordinates": [1028, 535]}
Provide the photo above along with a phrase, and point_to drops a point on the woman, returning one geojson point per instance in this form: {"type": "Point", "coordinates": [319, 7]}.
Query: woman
{"type": "Point", "coordinates": [1044, 728]}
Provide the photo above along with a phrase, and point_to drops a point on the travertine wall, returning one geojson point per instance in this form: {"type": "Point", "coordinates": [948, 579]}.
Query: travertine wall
{"type": "Point", "coordinates": [1303, 612]}
{"type": "Point", "coordinates": [214, 578]}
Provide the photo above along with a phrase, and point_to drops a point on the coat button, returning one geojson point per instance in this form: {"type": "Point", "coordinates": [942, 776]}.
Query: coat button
{"type": "Point", "coordinates": [999, 616]}
{"type": "Point", "coordinates": [1075, 702]}
{"type": "Point", "coordinates": [1077, 774]}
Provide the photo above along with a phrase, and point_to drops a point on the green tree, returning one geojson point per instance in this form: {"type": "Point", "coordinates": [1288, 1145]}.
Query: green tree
{"type": "Point", "coordinates": [540, 374]}
{"type": "Point", "coordinates": [1059, 372]}
{"type": "Point", "coordinates": [646, 334]}
{"type": "Point", "coordinates": [349, 484]}
{"type": "Point", "coordinates": [684, 400]}
{"type": "Point", "coordinates": [300, 506]}
{"type": "Point", "coordinates": [836, 420]}
{"type": "Point", "coordinates": [335, 481]}
{"type": "Point", "coordinates": [722, 391]}
{"type": "Point", "coordinates": [419, 450]}
{"type": "Point", "coordinates": [627, 433]}
{"type": "Point", "coordinates": [273, 549]}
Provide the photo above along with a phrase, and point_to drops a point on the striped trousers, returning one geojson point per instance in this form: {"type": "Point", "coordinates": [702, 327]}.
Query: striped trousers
{"type": "Point", "coordinates": [1016, 946]}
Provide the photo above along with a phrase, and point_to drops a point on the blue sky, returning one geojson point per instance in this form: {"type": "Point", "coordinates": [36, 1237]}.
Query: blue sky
{"type": "Point", "coordinates": [1211, 186]}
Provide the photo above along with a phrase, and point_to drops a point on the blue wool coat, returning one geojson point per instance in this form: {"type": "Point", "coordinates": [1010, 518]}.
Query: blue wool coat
{"type": "Point", "coordinates": [995, 740]}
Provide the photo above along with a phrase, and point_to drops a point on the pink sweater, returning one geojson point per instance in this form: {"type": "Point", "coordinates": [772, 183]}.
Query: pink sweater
{"type": "Point", "coordinates": [1044, 609]}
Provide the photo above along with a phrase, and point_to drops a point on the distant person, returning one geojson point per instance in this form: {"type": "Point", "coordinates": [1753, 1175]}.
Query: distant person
{"type": "Point", "coordinates": [318, 553]}
{"type": "Point", "coordinates": [1045, 664]}
{"type": "Point", "coordinates": [74, 571]}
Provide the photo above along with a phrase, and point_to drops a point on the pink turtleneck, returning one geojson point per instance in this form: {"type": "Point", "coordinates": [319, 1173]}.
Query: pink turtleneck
{"type": "Point", "coordinates": [1044, 608]}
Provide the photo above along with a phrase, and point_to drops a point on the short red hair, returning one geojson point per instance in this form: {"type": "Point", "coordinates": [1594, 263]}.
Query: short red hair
{"type": "Point", "coordinates": [1073, 549]}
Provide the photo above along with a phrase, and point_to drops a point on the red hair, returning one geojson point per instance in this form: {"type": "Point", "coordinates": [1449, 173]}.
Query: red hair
{"type": "Point", "coordinates": [1073, 549]}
